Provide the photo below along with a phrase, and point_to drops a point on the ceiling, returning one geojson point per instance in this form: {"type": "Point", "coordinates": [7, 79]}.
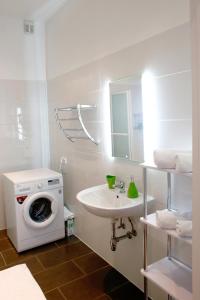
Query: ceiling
{"type": "Point", "coordinates": [21, 8]}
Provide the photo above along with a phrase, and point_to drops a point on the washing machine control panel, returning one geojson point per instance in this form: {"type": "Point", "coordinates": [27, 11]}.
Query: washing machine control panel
{"type": "Point", "coordinates": [40, 186]}
{"type": "Point", "coordinates": [37, 186]}
{"type": "Point", "coordinates": [54, 181]}
{"type": "Point", "coordinates": [23, 189]}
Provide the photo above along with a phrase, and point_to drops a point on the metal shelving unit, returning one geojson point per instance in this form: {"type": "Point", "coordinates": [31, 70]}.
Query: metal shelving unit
{"type": "Point", "coordinates": [169, 274]}
{"type": "Point", "coordinates": [71, 133]}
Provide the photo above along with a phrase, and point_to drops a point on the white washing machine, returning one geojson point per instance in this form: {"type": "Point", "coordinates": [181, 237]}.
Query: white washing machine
{"type": "Point", "coordinates": [34, 207]}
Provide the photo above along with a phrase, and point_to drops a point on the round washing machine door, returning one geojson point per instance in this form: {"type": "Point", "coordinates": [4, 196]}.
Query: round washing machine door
{"type": "Point", "coordinates": [40, 209]}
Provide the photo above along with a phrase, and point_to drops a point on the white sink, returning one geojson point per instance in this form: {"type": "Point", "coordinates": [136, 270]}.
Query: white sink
{"type": "Point", "coordinates": [103, 202]}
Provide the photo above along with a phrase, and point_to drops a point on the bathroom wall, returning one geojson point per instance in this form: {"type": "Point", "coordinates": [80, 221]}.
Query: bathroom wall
{"type": "Point", "coordinates": [86, 30]}
{"type": "Point", "coordinates": [23, 106]}
{"type": "Point", "coordinates": [166, 54]}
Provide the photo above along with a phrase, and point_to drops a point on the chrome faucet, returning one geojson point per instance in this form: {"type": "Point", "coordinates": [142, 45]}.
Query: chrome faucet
{"type": "Point", "coordinates": [121, 186]}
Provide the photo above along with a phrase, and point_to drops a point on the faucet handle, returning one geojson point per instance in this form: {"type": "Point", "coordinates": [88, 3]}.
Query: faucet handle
{"type": "Point", "coordinates": [121, 184]}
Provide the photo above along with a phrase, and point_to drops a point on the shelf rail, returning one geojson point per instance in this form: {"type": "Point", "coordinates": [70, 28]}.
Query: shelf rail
{"type": "Point", "coordinates": [145, 217]}
{"type": "Point", "coordinates": [68, 132]}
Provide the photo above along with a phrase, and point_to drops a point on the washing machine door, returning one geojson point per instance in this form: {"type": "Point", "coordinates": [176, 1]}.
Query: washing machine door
{"type": "Point", "coordinates": [40, 209]}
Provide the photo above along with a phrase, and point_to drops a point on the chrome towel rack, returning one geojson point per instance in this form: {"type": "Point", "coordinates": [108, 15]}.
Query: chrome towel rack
{"type": "Point", "coordinates": [68, 132]}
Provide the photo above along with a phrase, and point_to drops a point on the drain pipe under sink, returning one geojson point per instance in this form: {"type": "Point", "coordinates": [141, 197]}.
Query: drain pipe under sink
{"type": "Point", "coordinates": [129, 234]}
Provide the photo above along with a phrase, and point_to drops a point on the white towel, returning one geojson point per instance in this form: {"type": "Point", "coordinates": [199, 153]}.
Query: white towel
{"type": "Point", "coordinates": [165, 158]}
{"type": "Point", "coordinates": [17, 283]}
{"type": "Point", "coordinates": [184, 162]}
{"type": "Point", "coordinates": [166, 219]}
{"type": "Point", "coordinates": [184, 228]}
{"type": "Point", "coordinates": [187, 215]}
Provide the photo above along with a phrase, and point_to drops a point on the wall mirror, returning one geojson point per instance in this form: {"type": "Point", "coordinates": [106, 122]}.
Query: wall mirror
{"type": "Point", "coordinates": [127, 119]}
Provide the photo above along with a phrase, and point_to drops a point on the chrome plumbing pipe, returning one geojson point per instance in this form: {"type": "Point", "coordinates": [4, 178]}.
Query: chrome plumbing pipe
{"type": "Point", "coordinates": [116, 239]}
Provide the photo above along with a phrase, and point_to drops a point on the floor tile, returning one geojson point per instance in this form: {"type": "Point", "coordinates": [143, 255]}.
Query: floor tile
{"type": "Point", "coordinates": [12, 257]}
{"type": "Point", "coordinates": [94, 285]}
{"type": "Point", "coordinates": [128, 292]}
{"type": "Point", "coordinates": [59, 264]}
{"type": "Point", "coordinates": [90, 263]}
{"type": "Point", "coordinates": [113, 279]}
{"type": "Point", "coordinates": [5, 244]}
{"type": "Point", "coordinates": [59, 275]}
{"type": "Point", "coordinates": [41, 249]}
{"type": "Point", "coordinates": [68, 240]}
{"type": "Point", "coordinates": [3, 234]}
{"type": "Point", "coordinates": [32, 263]}
{"type": "Point", "coordinates": [54, 295]}
{"type": "Point", "coordinates": [63, 254]}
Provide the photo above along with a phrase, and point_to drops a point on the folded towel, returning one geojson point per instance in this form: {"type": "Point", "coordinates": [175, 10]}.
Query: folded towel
{"type": "Point", "coordinates": [185, 216]}
{"type": "Point", "coordinates": [165, 158]}
{"type": "Point", "coordinates": [166, 219]}
{"type": "Point", "coordinates": [184, 162]}
{"type": "Point", "coordinates": [184, 228]}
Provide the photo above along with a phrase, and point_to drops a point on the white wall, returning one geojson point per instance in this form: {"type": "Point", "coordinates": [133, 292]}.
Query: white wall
{"type": "Point", "coordinates": [164, 54]}
{"type": "Point", "coordinates": [23, 105]}
{"type": "Point", "coordinates": [85, 30]}
{"type": "Point", "coordinates": [18, 54]}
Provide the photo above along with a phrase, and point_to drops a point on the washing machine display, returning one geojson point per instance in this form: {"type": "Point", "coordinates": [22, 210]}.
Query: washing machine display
{"type": "Point", "coordinates": [34, 207]}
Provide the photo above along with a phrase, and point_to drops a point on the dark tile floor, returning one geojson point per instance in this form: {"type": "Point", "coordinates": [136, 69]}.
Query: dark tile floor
{"type": "Point", "coordinates": [69, 270]}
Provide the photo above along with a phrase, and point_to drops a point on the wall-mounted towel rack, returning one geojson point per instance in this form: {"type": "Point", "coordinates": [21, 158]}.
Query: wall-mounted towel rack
{"type": "Point", "coordinates": [68, 132]}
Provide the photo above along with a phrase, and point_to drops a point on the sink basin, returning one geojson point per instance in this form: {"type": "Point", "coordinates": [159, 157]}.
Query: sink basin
{"type": "Point", "coordinates": [103, 202]}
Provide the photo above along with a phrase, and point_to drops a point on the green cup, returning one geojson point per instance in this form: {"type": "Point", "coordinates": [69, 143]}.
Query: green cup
{"type": "Point", "coordinates": [111, 181]}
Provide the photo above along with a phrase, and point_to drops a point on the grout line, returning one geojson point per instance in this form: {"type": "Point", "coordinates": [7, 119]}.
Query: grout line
{"type": "Point", "coordinates": [71, 243]}
{"type": "Point", "coordinates": [62, 293]}
{"type": "Point", "coordinates": [22, 261]}
{"type": "Point", "coordinates": [97, 269]}
{"type": "Point", "coordinates": [56, 245]}
{"type": "Point", "coordinates": [83, 255]}
{"type": "Point", "coordinates": [38, 260]}
{"type": "Point", "coordinates": [28, 255]}
{"type": "Point", "coordinates": [3, 259]}
{"type": "Point", "coordinates": [78, 278]}
{"type": "Point", "coordinates": [73, 280]}
{"type": "Point", "coordinates": [99, 297]}
{"type": "Point", "coordinates": [43, 252]}
{"type": "Point", "coordinates": [63, 284]}
{"type": "Point", "coordinates": [37, 254]}
{"type": "Point", "coordinates": [74, 262]}
{"type": "Point", "coordinates": [19, 259]}
{"type": "Point", "coordinates": [104, 267]}
{"type": "Point", "coordinates": [60, 264]}
{"type": "Point", "coordinates": [45, 293]}
{"type": "Point", "coordinates": [51, 290]}
{"type": "Point", "coordinates": [51, 250]}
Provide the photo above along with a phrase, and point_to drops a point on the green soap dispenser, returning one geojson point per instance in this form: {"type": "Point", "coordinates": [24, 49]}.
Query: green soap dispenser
{"type": "Point", "coordinates": [132, 190]}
